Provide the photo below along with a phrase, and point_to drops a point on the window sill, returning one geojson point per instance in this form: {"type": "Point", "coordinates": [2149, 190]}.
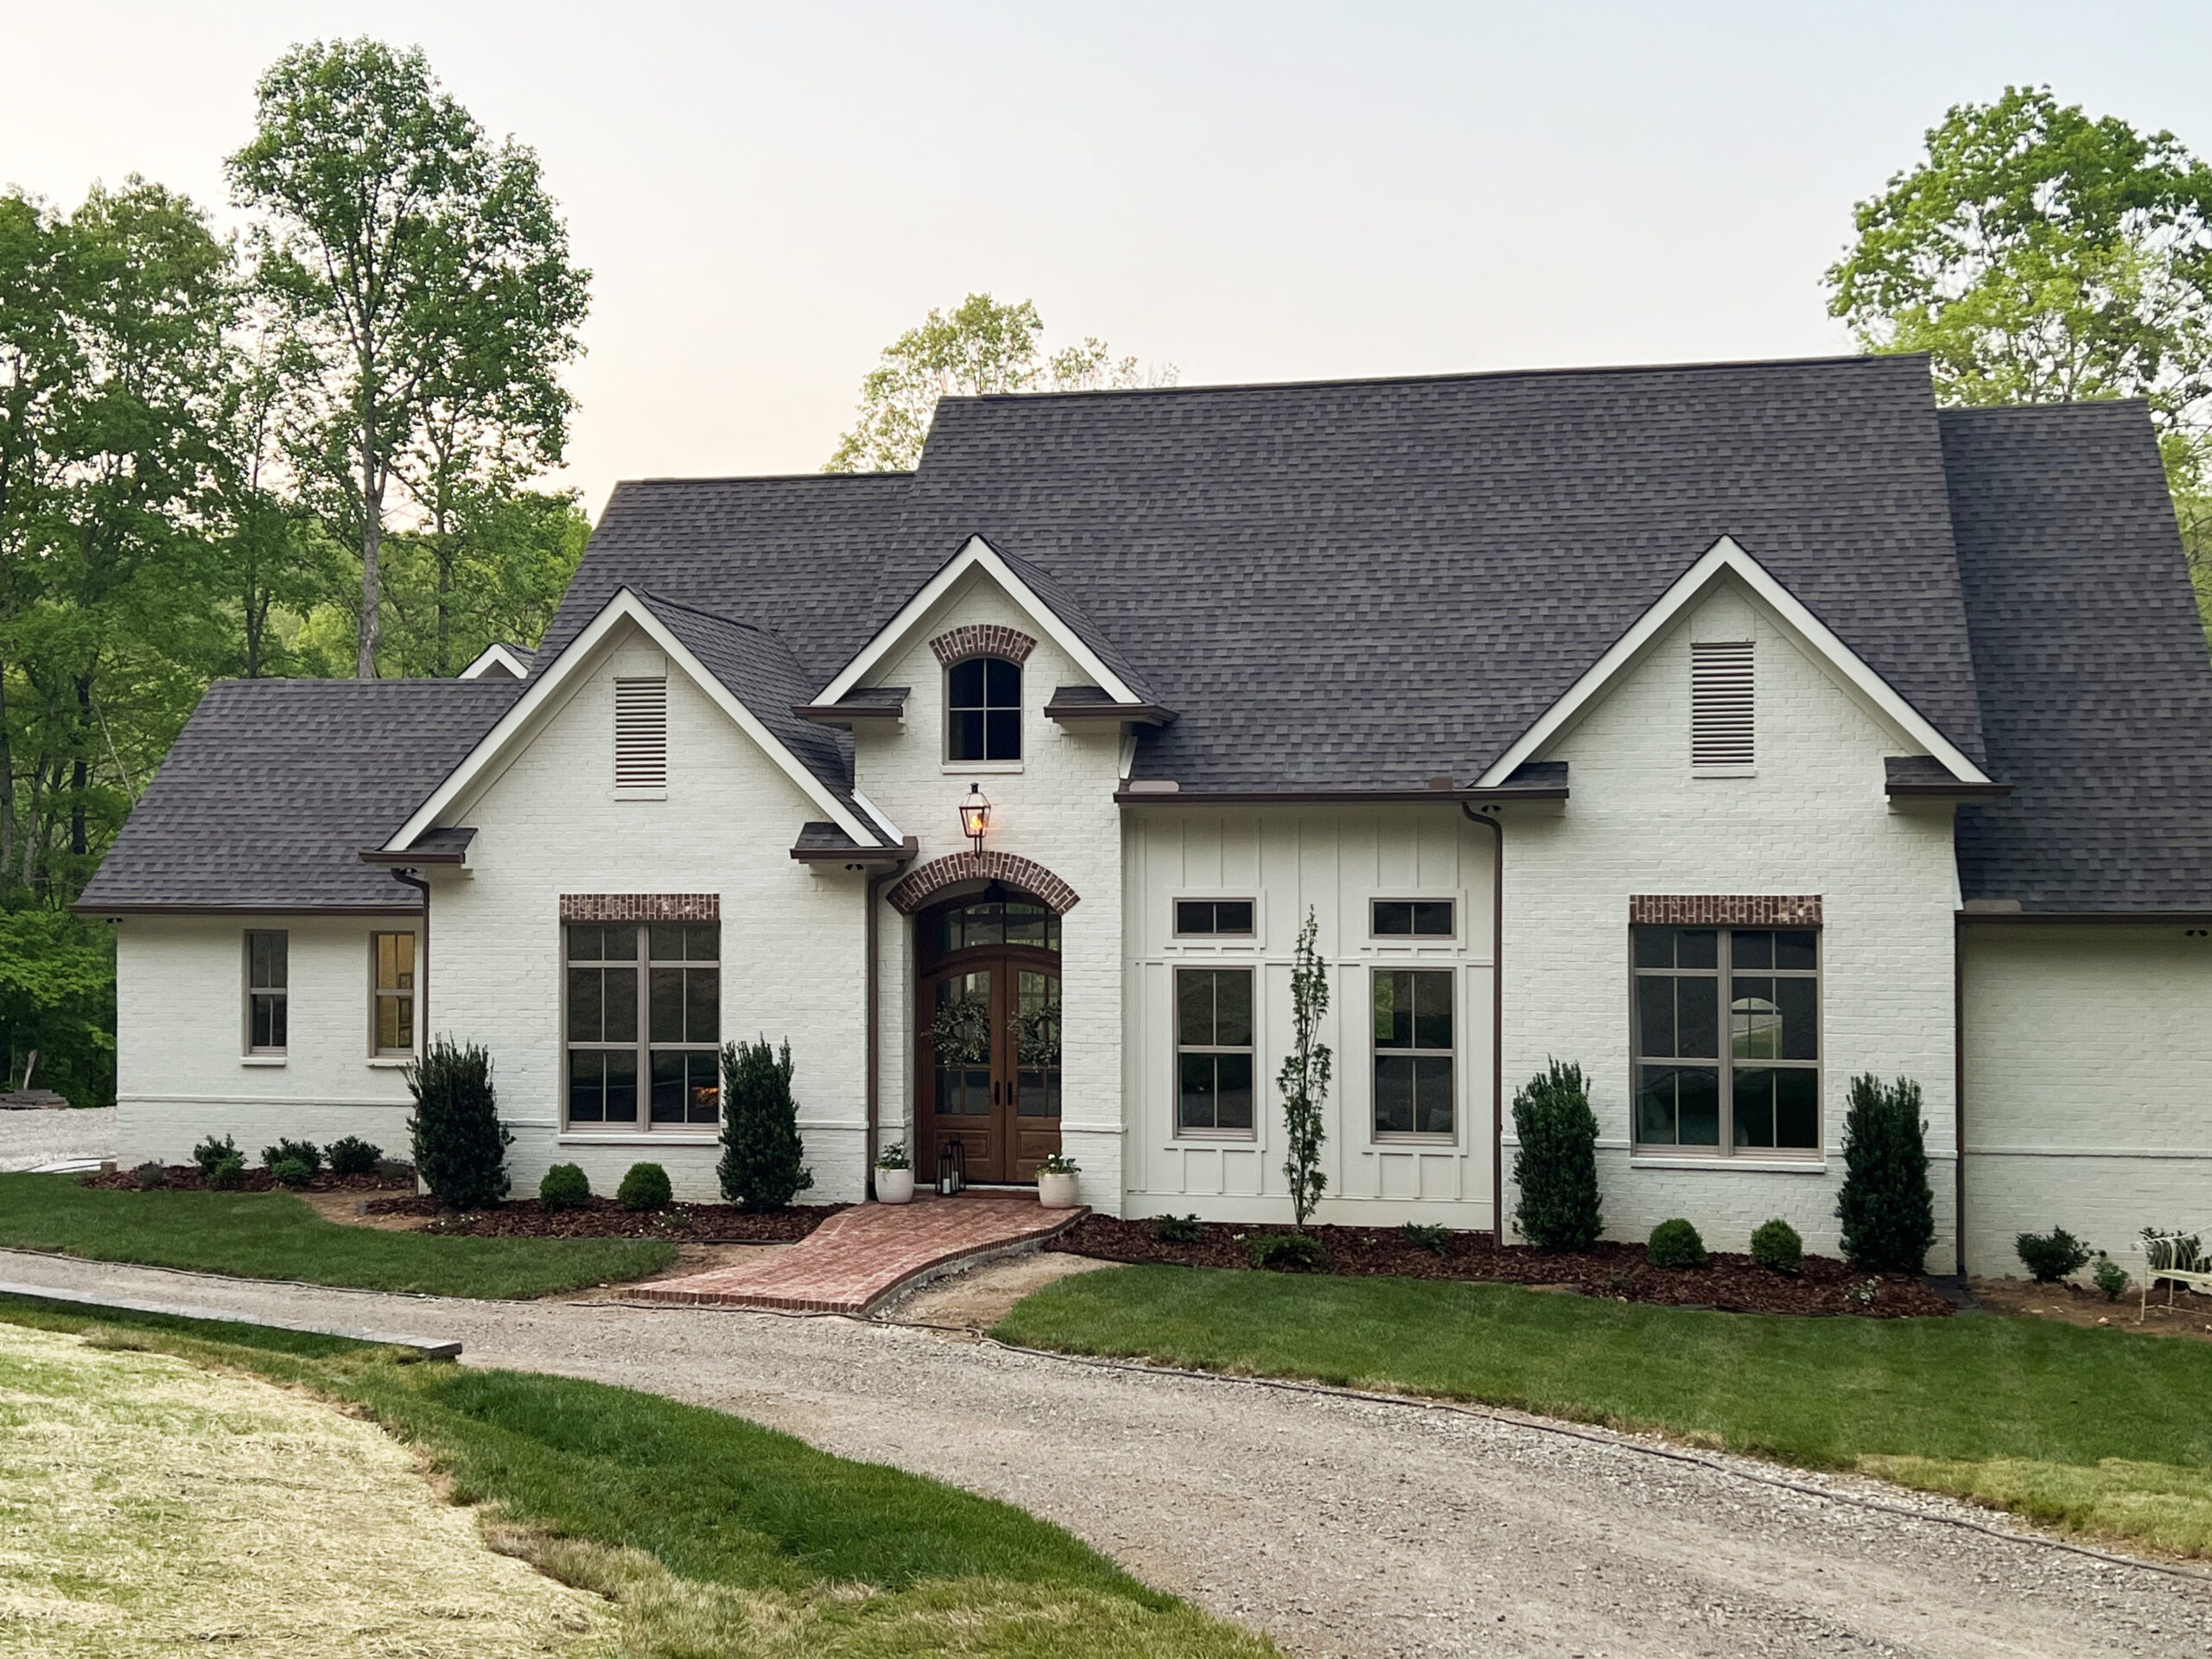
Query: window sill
{"type": "Point", "coordinates": [389, 1062]}
{"type": "Point", "coordinates": [264, 1059]}
{"type": "Point", "coordinates": [1390, 1143]}
{"type": "Point", "coordinates": [1724, 772]}
{"type": "Point", "coordinates": [640, 794]}
{"type": "Point", "coordinates": [1215, 1138]}
{"type": "Point", "coordinates": [1806, 1165]}
{"type": "Point", "coordinates": [981, 768]}
{"type": "Point", "coordinates": [635, 1138]}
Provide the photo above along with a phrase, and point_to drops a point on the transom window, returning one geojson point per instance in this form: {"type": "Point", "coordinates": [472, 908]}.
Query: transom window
{"type": "Point", "coordinates": [644, 1019]}
{"type": "Point", "coordinates": [1414, 1052]}
{"type": "Point", "coordinates": [1764, 1093]}
{"type": "Point", "coordinates": [1012, 921]}
{"type": "Point", "coordinates": [268, 979]}
{"type": "Point", "coordinates": [1213, 1051]}
{"type": "Point", "coordinates": [1417, 919]}
{"type": "Point", "coordinates": [391, 993]}
{"type": "Point", "coordinates": [983, 710]}
{"type": "Point", "coordinates": [1199, 918]}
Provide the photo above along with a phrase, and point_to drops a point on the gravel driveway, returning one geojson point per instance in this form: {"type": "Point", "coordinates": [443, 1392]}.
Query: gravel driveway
{"type": "Point", "coordinates": [63, 1140]}
{"type": "Point", "coordinates": [1342, 1525]}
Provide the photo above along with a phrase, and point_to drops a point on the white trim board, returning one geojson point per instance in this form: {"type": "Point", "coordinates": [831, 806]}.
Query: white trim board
{"type": "Point", "coordinates": [976, 554]}
{"type": "Point", "coordinates": [1723, 559]}
{"type": "Point", "coordinates": [515, 727]}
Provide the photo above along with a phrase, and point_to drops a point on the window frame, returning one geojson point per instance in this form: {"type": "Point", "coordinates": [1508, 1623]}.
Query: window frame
{"type": "Point", "coordinates": [378, 995]}
{"type": "Point", "coordinates": [1248, 938]}
{"type": "Point", "coordinates": [1410, 941]}
{"type": "Point", "coordinates": [280, 995]}
{"type": "Point", "coordinates": [1018, 708]}
{"type": "Point", "coordinates": [1178, 1048]}
{"type": "Point", "coordinates": [643, 1046]}
{"type": "Point", "coordinates": [1726, 1061]}
{"type": "Point", "coordinates": [1377, 1134]}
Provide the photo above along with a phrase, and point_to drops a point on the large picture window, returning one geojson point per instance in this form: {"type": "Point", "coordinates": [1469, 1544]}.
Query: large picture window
{"type": "Point", "coordinates": [983, 710]}
{"type": "Point", "coordinates": [267, 993]}
{"type": "Point", "coordinates": [1726, 1071]}
{"type": "Point", "coordinates": [643, 1023]}
{"type": "Point", "coordinates": [1213, 1051]}
{"type": "Point", "coordinates": [391, 993]}
{"type": "Point", "coordinates": [1414, 1052]}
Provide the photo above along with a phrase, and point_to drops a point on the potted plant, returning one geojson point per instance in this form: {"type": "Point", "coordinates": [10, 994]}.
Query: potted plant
{"type": "Point", "coordinates": [894, 1174]}
{"type": "Point", "coordinates": [1056, 1181]}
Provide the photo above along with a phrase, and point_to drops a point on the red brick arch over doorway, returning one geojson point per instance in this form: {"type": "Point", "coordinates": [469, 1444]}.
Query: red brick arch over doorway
{"type": "Point", "coordinates": [924, 881]}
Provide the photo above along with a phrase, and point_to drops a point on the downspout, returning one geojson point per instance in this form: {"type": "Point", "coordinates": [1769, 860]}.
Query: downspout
{"type": "Point", "coordinates": [1958, 1090]}
{"type": "Point", "coordinates": [1497, 1024]}
{"type": "Point", "coordinates": [422, 965]}
{"type": "Point", "coordinates": [874, 1091]}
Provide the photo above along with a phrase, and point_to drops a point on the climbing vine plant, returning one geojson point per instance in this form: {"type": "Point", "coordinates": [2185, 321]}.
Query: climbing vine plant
{"type": "Point", "coordinates": [1305, 1073]}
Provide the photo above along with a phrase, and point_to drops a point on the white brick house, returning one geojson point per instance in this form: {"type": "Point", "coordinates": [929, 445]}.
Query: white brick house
{"type": "Point", "coordinates": [1730, 731]}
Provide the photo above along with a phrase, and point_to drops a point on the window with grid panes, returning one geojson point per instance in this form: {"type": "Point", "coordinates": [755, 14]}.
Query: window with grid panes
{"type": "Point", "coordinates": [1727, 1039]}
{"type": "Point", "coordinates": [1413, 1050]}
{"type": "Point", "coordinates": [1213, 1051]}
{"type": "Point", "coordinates": [643, 1023]}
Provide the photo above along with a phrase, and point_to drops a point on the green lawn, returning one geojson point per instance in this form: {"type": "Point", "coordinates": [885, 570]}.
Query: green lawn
{"type": "Point", "coordinates": [276, 1236]}
{"type": "Point", "coordinates": [2101, 1429]}
{"type": "Point", "coordinates": [711, 1533]}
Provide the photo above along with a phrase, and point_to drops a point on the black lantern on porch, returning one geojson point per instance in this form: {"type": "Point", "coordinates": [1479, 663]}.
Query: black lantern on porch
{"type": "Point", "coordinates": [951, 1169]}
{"type": "Point", "coordinates": [976, 815]}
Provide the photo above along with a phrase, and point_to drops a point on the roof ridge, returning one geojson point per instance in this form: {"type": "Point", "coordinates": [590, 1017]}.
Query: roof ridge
{"type": "Point", "coordinates": [761, 478]}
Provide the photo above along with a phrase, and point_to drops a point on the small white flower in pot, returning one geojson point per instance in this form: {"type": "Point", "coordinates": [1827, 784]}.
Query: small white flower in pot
{"type": "Point", "coordinates": [1056, 1181]}
{"type": "Point", "coordinates": [894, 1174]}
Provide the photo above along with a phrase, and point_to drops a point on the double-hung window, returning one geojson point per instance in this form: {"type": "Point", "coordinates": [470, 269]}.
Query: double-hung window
{"type": "Point", "coordinates": [268, 978]}
{"type": "Point", "coordinates": [1413, 1050]}
{"type": "Point", "coordinates": [1213, 1051]}
{"type": "Point", "coordinates": [391, 993]}
{"type": "Point", "coordinates": [644, 1019]}
{"type": "Point", "coordinates": [1727, 1039]}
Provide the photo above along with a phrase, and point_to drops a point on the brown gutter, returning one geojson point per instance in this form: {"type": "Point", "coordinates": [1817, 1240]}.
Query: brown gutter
{"type": "Point", "coordinates": [423, 962]}
{"type": "Point", "coordinates": [1496, 1026]}
{"type": "Point", "coordinates": [410, 859]}
{"type": "Point", "coordinates": [1958, 1090]}
{"type": "Point", "coordinates": [873, 1046]}
{"type": "Point", "coordinates": [1143, 714]}
{"type": "Point", "coordinates": [83, 909]}
{"type": "Point", "coordinates": [1127, 797]}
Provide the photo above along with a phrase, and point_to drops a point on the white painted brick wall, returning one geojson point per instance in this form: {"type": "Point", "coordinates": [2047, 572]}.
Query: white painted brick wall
{"type": "Point", "coordinates": [1813, 820]}
{"type": "Point", "coordinates": [2088, 1084]}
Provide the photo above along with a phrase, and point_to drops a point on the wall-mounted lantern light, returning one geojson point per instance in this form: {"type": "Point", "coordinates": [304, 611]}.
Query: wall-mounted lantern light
{"type": "Point", "coordinates": [976, 815]}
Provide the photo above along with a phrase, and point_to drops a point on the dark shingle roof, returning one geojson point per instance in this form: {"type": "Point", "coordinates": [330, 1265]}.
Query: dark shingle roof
{"type": "Point", "coordinates": [268, 799]}
{"type": "Point", "coordinates": [2096, 692]}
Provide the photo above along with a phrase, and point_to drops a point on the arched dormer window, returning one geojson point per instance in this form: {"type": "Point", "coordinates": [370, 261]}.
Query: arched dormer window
{"type": "Point", "coordinates": [983, 710]}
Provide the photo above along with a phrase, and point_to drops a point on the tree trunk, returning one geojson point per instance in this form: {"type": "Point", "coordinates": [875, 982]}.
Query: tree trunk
{"type": "Point", "coordinates": [7, 782]}
{"type": "Point", "coordinates": [79, 773]}
{"type": "Point", "coordinates": [372, 546]}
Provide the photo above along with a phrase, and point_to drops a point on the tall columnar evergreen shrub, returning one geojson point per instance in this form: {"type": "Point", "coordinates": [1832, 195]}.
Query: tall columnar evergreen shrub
{"type": "Point", "coordinates": [1556, 1166]}
{"type": "Point", "coordinates": [1305, 1076]}
{"type": "Point", "coordinates": [461, 1146]}
{"type": "Point", "coordinates": [762, 1165]}
{"type": "Point", "coordinates": [1887, 1211]}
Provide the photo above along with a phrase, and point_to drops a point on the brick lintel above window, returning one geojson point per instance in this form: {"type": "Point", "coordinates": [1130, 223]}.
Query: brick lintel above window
{"type": "Point", "coordinates": [641, 906]}
{"type": "Point", "coordinates": [1724, 910]}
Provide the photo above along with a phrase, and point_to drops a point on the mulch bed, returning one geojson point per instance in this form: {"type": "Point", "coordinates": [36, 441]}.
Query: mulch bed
{"type": "Point", "coordinates": [1733, 1284]}
{"type": "Point", "coordinates": [685, 1223]}
{"type": "Point", "coordinates": [186, 1178]}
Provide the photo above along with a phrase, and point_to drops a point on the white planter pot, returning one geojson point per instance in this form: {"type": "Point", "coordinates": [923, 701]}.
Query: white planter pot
{"type": "Point", "coordinates": [894, 1185]}
{"type": "Point", "coordinates": [1056, 1192]}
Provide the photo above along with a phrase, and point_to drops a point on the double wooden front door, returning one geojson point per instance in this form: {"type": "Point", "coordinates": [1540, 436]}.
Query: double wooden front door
{"type": "Point", "coordinates": [988, 1019]}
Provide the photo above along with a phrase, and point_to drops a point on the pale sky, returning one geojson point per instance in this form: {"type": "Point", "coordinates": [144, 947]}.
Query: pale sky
{"type": "Point", "coordinates": [768, 195]}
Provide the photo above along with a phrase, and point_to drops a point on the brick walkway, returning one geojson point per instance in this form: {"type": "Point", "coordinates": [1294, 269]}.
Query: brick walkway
{"type": "Point", "coordinates": [859, 1256]}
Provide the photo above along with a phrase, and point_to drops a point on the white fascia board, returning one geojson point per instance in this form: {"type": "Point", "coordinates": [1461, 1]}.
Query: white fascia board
{"type": "Point", "coordinates": [496, 655]}
{"type": "Point", "coordinates": [519, 722]}
{"type": "Point", "coordinates": [890, 830]}
{"type": "Point", "coordinates": [1726, 558]}
{"type": "Point", "coordinates": [977, 553]}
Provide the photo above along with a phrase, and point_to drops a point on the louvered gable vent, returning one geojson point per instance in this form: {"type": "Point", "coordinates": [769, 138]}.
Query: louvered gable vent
{"type": "Point", "coordinates": [641, 734]}
{"type": "Point", "coordinates": [1720, 703]}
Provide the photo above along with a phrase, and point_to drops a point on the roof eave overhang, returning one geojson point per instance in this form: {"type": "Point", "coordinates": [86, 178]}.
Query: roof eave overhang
{"type": "Point", "coordinates": [846, 714]}
{"type": "Point", "coordinates": [861, 857]}
{"type": "Point", "coordinates": [1133, 713]}
{"type": "Point", "coordinates": [81, 908]}
{"type": "Point", "coordinates": [1344, 796]}
{"type": "Point", "coordinates": [2154, 918]}
{"type": "Point", "coordinates": [1950, 791]}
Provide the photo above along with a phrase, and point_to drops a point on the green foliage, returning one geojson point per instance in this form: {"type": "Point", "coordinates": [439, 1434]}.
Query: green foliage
{"type": "Point", "coordinates": [275, 1235]}
{"type": "Point", "coordinates": [351, 1155]}
{"type": "Point", "coordinates": [1305, 1076]}
{"type": "Point", "coordinates": [211, 1153]}
{"type": "Point", "coordinates": [1776, 1247]}
{"type": "Point", "coordinates": [1674, 1244]}
{"type": "Point", "coordinates": [762, 1164]}
{"type": "Point", "coordinates": [292, 1172]}
{"type": "Point", "coordinates": [2051, 1256]}
{"type": "Point", "coordinates": [2110, 1277]}
{"type": "Point", "coordinates": [980, 346]}
{"type": "Point", "coordinates": [894, 1157]}
{"type": "Point", "coordinates": [151, 1175]}
{"type": "Point", "coordinates": [1886, 1208]}
{"type": "Point", "coordinates": [460, 1145]}
{"type": "Point", "coordinates": [564, 1187]}
{"type": "Point", "coordinates": [644, 1186]}
{"type": "Point", "coordinates": [1556, 1167]}
{"type": "Point", "coordinates": [1058, 1163]}
{"type": "Point", "coordinates": [226, 1173]}
{"type": "Point", "coordinates": [297, 1151]}
{"type": "Point", "coordinates": [1437, 1241]}
{"type": "Point", "coordinates": [1292, 1252]}
{"type": "Point", "coordinates": [1177, 1230]}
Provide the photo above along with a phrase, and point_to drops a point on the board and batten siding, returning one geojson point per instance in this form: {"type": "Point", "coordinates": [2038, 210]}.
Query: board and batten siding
{"type": "Point", "coordinates": [2088, 1065]}
{"type": "Point", "coordinates": [1333, 860]}
{"type": "Point", "coordinates": [1807, 816]}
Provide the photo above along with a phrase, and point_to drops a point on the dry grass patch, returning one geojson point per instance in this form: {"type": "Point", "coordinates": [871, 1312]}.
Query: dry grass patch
{"type": "Point", "coordinates": [148, 1505]}
{"type": "Point", "coordinates": [2161, 1505]}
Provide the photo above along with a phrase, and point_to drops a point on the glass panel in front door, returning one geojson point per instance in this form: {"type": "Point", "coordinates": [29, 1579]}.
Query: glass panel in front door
{"type": "Point", "coordinates": [960, 1034]}
{"type": "Point", "coordinates": [1037, 1042]}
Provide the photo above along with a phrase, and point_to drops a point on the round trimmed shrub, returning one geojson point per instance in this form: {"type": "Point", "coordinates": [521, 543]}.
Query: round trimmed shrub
{"type": "Point", "coordinates": [565, 1187]}
{"type": "Point", "coordinates": [292, 1172]}
{"type": "Point", "coordinates": [2051, 1256]}
{"type": "Point", "coordinates": [1777, 1247]}
{"type": "Point", "coordinates": [645, 1187]}
{"type": "Point", "coordinates": [351, 1155]}
{"type": "Point", "coordinates": [1675, 1244]}
{"type": "Point", "coordinates": [211, 1153]}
